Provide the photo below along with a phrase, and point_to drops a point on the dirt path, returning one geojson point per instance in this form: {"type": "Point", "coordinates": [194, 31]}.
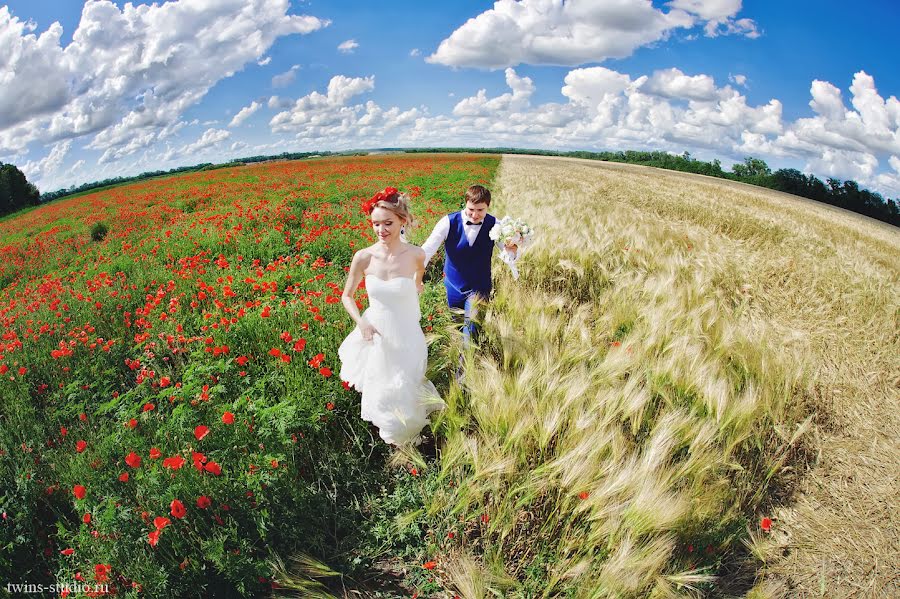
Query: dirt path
{"type": "Point", "coordinates": [831, 279]}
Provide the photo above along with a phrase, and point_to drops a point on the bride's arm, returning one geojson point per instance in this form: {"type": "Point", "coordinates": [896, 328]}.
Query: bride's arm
{"type": "Point", "coordinates": [420, 270]}
{"type": "Point", "coordinates": [348, 299]}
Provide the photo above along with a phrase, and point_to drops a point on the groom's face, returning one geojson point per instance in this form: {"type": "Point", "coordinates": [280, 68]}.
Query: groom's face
{"type": "Point", "coordinates": [475, 212]}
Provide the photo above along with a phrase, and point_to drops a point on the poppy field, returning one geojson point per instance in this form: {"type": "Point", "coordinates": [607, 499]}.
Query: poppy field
{"type": "Point", "coordinates": [171, 413]}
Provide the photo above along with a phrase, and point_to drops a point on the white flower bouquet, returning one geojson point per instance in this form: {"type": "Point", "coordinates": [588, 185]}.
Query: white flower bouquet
{"type": "Point", "coordinates": [511, 232]}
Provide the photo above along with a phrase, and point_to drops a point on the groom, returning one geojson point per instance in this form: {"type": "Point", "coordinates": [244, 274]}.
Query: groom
{"type": "Point", "coordinates": [468, 249]}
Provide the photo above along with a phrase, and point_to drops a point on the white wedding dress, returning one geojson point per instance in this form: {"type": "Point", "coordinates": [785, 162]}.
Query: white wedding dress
{"type": "Point", "coordinates": [389, 371]}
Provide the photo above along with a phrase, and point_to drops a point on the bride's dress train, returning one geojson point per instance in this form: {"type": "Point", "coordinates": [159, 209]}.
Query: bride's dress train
{"type": "Point", "coordinates": [389, 371]}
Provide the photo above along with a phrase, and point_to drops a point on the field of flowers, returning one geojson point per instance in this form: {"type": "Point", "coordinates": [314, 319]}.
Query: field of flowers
{"type": "Point", "coordinates": [170, 412]}
{"type": "Point", "coordinates": [686, 393]}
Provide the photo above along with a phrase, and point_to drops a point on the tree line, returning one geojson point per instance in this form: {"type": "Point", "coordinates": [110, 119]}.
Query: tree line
{"type": "Point", "coordinates": [204, 166]}
{"type": "Point", "coordinates": [755, 171]}
{"type": "Point", "coordinates": [16, 192]}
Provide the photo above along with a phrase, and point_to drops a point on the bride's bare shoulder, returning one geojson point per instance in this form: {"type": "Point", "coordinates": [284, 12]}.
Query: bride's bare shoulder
{"type": "Point", "coordinates": [362, 257]}
{"type": "Point", "coordinates": [417, 252]}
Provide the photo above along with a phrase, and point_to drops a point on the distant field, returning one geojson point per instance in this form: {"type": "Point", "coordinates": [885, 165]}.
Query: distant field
{"type": "Point", "coordinates": [683, 361]}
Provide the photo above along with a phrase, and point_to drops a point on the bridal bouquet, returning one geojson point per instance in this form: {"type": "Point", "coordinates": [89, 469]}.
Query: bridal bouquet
{"type": "Point", "coordinates": [512, 231]}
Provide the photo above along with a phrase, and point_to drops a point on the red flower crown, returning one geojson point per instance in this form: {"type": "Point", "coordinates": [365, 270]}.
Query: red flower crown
{"type": "Point", "coordinates": [388, 194]}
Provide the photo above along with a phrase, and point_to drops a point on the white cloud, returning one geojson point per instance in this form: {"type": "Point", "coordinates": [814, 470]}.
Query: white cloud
{"type": "Point", "coordinates": [286, 78]}
{"type": "Point", "coordinates": [244, 114]}
{"type": "Point", "coordinates": [264, 61]}
{"type": "Point", "coordinates": [414, 52]}
{"type": "Point", "coordinates": [210, 138]}
{"type": "Point", "coordinates": [324, 110]}
{"type": "Point", "coordinates": [665, 110]}
{"type": "Point", "coordinates": [740, 80]}
{"type": "Point", "coordinates": [348, 47]}
{"type": "Point", "coordinates": [128, 73]}
{"type": "Point", "coordinates": [521, 87]}
{"type": "Point", "coordinates": [36, 170]}
{"type": "Point", "coordinates": [672, 83]}
{"type": "Point", "coordinates": [573, 32]}
{"type": "Point", "coordinates": [895, 163]}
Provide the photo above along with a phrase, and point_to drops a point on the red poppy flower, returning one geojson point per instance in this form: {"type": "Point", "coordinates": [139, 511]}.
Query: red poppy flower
{"type": "Point", "coordinates": [429, 565]}
{"type": "Point", "coordinates": [79, 491]}
{"type": "Point", "coordinates": [154, 453]}
{"type": "Point", "coordinates": [203, 502]}
{"type": "Point", "coordinates": [63, 431]}
{"type": "Point", "coordinates": [300, 344]}
{"type": "Point", "coordinates": [325, 371]}
{"type": "Point", "coordinates": [583, 495]}
{"type": "Point", "coordinates": [275, 352]}
{"type": "Point", "coordinates": [214, 468]}
{"type": "Point", "coordinates": [80, 446]}
{"type": "Point", "coordinates": [329, 406]}
{"type": "Point", "coordinates": [123, 477]}
{"type": "Point", "coordinates": [153, 537]}
{"type": "Point", "coordinates": [177, 509]}
{"type": "Point", "coordinates": [242, 360]}
{"type": "Point", "coordinates": [766, 524]}
{"type": "Point", "coordinates": [68, 551]}
{"type": "Point", "coordinates": [82, 417]}
{"type": "Point", "coordinates": [201, 431]}
{"type": "Point", "coordinates": [148, 407]}
{"type": "Point", "coordinates": [228, 418]}
{"type": "Point", "coordinates": [86, 518]}
{"type": "Point", "coordinates": [132, 423]}
{"type": "Point", "coordinates": [133, 460]}
{"type": "Point", "coordinates": [160, 522]}
{"type": "Point", "coordinates": [175, 462]}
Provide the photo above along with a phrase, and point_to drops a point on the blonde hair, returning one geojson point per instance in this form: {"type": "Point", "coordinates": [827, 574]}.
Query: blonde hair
{"type": "Point", "coordinates": [398, 204]}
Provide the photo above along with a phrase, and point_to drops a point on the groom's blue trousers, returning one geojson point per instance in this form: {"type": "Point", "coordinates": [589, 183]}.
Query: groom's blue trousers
{"type": "Point", "coordinates": [464, 301]}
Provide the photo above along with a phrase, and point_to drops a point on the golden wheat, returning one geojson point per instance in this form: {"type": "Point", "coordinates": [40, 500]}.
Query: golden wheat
{"type": "Point", "coordinates": [649, 377]}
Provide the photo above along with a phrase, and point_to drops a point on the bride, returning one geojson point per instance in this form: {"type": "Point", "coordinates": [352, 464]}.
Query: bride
{"type": "Point", "coordinates": [385, 356]}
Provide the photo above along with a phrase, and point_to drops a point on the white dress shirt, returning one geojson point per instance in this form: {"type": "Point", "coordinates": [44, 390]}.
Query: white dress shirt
{"type": "Point", "coordinates": [442, 229]}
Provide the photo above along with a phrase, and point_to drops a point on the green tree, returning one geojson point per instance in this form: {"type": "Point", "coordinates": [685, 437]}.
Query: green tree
{"type": "Point", "coordinates": [751, 167]}
{"type": "Point", "coordinates": [15, 190]}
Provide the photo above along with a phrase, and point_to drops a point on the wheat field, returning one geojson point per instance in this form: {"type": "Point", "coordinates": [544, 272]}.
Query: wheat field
{"type": "Point", "coordinates": [681, 357]}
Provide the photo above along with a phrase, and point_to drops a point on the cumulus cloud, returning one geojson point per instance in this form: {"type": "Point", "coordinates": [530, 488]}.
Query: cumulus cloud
{"type": "Point", "coordinates": [128, 73]}
{"type": "Point", "coordinates": [286, 78]}
{"type": "Point", "coordinates": [348, 47]}
{"type": "Point", "coordinates": [37, 169]}
{"type": "Point", "coordinates": [414, 52]}
{"type": "Point", "coordinates": [573, 32]}
{"type": "Point", "coordinates": [264, 61]}
{"type": "Point", "coordinates": [211, 137]}
{"type": "Point", "coordinates": [604, 109]}
{"type": "Point", "coordinates": [672, 83]}
{"type": "Point", "coordinates": [521, 87]}
{"type": "Point", "coordinates": [324, 110]}
{"type": "Point", "coordinates": [244, 114]}
{"type": "Point", "coordinates": [740, 80]}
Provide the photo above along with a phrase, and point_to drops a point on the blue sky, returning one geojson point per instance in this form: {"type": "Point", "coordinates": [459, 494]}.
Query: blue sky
{"type": "Point", "coordinates": [99, 89]}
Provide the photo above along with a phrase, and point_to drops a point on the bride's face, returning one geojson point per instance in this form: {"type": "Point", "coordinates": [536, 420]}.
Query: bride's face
{"type": "Point", "coordinates": [386, 224]}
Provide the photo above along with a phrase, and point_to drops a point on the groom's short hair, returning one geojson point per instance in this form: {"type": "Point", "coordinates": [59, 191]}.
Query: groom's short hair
{"type": "Point", "coordinates": [478, 194]}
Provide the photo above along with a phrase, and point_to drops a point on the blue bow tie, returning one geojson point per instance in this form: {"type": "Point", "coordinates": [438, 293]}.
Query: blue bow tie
{"type": "Point", "coordinates": [468, 222]}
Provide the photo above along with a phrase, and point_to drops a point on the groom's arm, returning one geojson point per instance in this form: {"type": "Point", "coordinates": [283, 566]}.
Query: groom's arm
{"type": "Point", "coordinates": [437, 237]}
